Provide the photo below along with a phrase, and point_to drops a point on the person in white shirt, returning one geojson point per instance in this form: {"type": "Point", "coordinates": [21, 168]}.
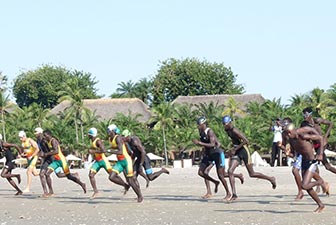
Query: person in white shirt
{"type": "Point", "coordinates": [277, 130]}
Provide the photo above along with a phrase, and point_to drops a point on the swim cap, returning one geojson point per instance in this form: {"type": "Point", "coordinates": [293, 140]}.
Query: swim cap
{"type": "Point", "coordinates": [38, 130]}
{"type": "Point", "coordinates": [226, 119]}
{"type": "Point", "coordinates": [22, 134]}
{"type": "Point", "coordinates": [126, 133]}
{"type": "Point", "coordinates": [111, 127]}
{"type": "Point", "coordinates": [93, 132]}
{"type": "Point", "coordinates": [201, 120]}
{"type": "Point", "coordinates": [290, 127]}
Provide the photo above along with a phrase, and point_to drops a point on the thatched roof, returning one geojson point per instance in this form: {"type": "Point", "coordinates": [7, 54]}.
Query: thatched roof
{"type": "Point", "coordinates": [108, 108]}
{"type": "Point", "coordinates": [243, 99]}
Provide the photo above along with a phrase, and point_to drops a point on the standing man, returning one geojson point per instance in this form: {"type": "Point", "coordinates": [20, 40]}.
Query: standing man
{"type": "Point", "coordinates": [142, 160]}
{"type": "Point", "coordinates": [9, 166]}
{"type": "Point", "coordinates": [239, 153]}
{"type": "Point", "coordinates": [124, 163]}
{"type": "Point", "coordinates": [59, 160]}
{"type": "Point", "coordinates": [301, 141]}
{"type": "Point", "coordinates": [98, 150]}
{"type": "Point", "coordinates": [208, 140]}
{"type": "Point", "coordinates": [277, 130]}
{"type": "Point", "coordinates": [30, 151]}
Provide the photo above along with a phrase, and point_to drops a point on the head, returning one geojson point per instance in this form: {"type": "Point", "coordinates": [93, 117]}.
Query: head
{"type": "Point", "coordinates": [22, 135]}
{"type": "Point", "coordinates": [113, 130]}
{"type": "Point", "coordinates": [201, 122]}
{"type": "Point", "coordinates": [307, 113]}
{"type": "Point", "coordinates": [47, 135]}
{"type": "Point", "coordinates": [278, 121]}
{"type": "Point", "coordinates": [226, 120]}
{"type": "Point", "coordinates": [38, 132]}
{"type": "Point", "coordinates": [290, 129]}
{"type": "Point", "coordinates": [126, 134]}
{"type": "Point", "coordinates": [92, 133]}
{"type": "Point", "coordinates": [285, 122]}
{"type": "Point", "coordinates": [1, 139]}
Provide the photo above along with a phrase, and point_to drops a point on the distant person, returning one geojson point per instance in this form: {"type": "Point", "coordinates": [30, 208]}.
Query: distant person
{"type": "Point", "coordinates": [277, 130]}
{"type": "Point", "coordinates": [9, 165]}
{"type": "Point", "coordinates": [240, 152]}
{"type": "Point", "coordinates": [30, 151]}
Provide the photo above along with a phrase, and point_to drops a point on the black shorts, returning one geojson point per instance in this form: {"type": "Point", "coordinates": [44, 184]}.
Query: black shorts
{"type": "Point", "coordinates": [242, 154]}
{"type": "Point", "coordinates": [45, 163]}
{"type": "Point", "coordinates": [10, 166]}
{"type": "Point", "coordinates": [218, 158]}
{"type": "Point", "coordinates": [146, 165]}
{"type": "Point", "coordinates": [205, 162]}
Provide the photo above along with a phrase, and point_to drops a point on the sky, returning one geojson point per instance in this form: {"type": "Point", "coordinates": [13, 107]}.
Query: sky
{"type": "Point", "coordinates": [278, 49]}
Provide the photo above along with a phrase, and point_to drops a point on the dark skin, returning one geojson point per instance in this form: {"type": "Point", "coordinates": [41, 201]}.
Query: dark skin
{"type": "Point", "coordinates": [100, 149]}
{"type": "Point", "coordinates": [235, 162]}
{"type": "Point", "coordinates": [301, 141]}
{"type": "Point", "coordinates": [315, 122]}
{"type": "Point", "coordinates": [6, 173]}
{"type": "Point", "coordinates": [54, 151]}
{"type": "Point", "coordinates": [136, 143]}
{"type": "Point", "coordinates": [220, 170]}
{"type": "Point", "coordinates": [115, 178]}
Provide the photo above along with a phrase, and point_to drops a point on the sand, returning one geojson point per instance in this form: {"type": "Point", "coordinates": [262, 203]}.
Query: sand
{"type": "Point", "coordinates": [171, 199]}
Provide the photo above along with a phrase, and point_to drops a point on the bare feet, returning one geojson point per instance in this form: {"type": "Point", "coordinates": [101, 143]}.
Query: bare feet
{"type": "Point", "coordinates": [94, 195]}
{"type": "Point", "coordinates": [18, 193]}
{"type": "Point", "coordinates": [273, 181]}
{"type": "Point", "coordinates": [18, 177]}
{"type": "Point", "coordinates": [227, 197]}
{"type": "Point", "coordinates": [147, 183]}
{"type": "Point", "coordinates": [216, 186]}
{"type": "Point", "coordinates": [26, 190]}
{"type": "Point", "coordinates": [241, 178]}
{"type": "Point", "coordinates": [299, 196]}
{"type": "Point", "coordinates": [164, 170]}
{"type": "Point", "coordinates": [206, 196]}
{"type": "Point", "coordinates": [45, 196]}
{"type": "Point", "coordinates": [127, 187]}
{"type": "Point", "coordinates": [233, 198]}
{"type": "Point", "coordinates": [319, 209]}
{"type": "Point", "coordinates": [140, 199]}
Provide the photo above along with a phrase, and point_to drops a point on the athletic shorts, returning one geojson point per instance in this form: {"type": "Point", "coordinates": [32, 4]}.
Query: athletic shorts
{"type": "Point", "coordinates": [310, 165]}
{"type": "Point", "coordinates": [10, 166]}
{"type": "Point", "coordinates": [104, 163]}
{"type": "Point", "coordinates": [298, 162]}
{"type": "Point", "coordinates": [146, 165]}
{"type": "Point", "coordinates": [60, 163]}
{"type": "Point", "coordinates": [243, 154]}
{"type": "Point", "coordinates": [218, 158]}
{"type": "Point", "coordinates": [45, 164]}
{"type": "Point", "coordinates": [32, 161]}
{"type": "Point", "coordinates": [124, 165]}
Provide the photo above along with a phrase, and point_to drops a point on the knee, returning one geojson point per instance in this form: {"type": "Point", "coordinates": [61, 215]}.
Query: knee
{"type": "Point", "coordinates": [304, 186]}
{"type": "Point", "coordinates": [92, 175]}
{"type": "Point", "coordinates": [150, 177]}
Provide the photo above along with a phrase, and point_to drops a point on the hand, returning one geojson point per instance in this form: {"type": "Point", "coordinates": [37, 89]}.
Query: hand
{"type": "Point", "coordinates": [319, 157]}
{"type": "Point", "coordinates": [196, 142]}
{"type": "Point", "coordinates": [41, 154]}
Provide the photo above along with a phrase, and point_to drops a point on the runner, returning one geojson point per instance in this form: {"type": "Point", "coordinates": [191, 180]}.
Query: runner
{"type": "Point", "coordinates": [124, 163]}
{"type": "Point", "coordinates": [30, 151]}
{"type": "Point", "coordinates": [239, 153]}
{"type": "Point", "coordinates": [101, 161]}
{"type": "Point", "coordinates": [58, 161]}
{"type": "Point", "coordinates": [301, 141]}
{"type": "Point", "coordinates": [142, 160]}
{"type": "Point", "coordinates": [9, 166]}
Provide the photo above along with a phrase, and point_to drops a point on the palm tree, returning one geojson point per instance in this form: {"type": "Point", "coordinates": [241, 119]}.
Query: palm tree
{"type": "Point", "coordinates": [76, 110]}
{"type": "Point", "coordinates": [143, 90]}
{"type": "Point", "coordinates": [233, 108]}
{"type": "Point", "coordinates": [126, 89]}
{"type": "Point", "coordinates": [163, 115]}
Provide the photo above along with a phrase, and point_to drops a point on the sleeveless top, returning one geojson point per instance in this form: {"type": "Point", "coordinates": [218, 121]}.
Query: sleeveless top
{"type": "Point", "coordinates": [97, 156]}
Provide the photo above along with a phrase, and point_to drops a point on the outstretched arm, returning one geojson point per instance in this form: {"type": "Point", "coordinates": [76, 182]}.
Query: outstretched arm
{"type": "Point", "coordinates": [5, 144]}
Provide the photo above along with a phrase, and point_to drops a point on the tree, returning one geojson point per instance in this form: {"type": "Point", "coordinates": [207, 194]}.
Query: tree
{"type": "Point", "coordinates": [43, 85]}
{"type": "Point", "coordinates": [5, 103]}
{"type": "Point", "coordinates": [192, 77]}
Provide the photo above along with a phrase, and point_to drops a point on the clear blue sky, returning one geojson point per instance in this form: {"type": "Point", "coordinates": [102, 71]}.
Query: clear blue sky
{"type": "Point", "coordinates": [277, 48]}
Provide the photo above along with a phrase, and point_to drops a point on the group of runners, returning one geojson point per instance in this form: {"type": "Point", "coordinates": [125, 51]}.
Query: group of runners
{"type": "Point", "coordinates": [131, 155]}
{"type": "Point", "coordinates": [305, 144]}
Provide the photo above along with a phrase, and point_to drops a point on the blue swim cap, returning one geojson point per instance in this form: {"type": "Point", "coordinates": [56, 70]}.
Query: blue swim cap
{"type": "Point", "coordinates": [226, 119]}
{"type": "Point", "coordinates": [201, 120]}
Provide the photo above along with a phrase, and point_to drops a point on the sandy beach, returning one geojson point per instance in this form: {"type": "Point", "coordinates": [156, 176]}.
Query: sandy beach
{"type": "Point", "coordinates": [171, 199]}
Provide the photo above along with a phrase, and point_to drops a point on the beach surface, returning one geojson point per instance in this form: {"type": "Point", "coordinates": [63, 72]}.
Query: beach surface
{"type": "Point", "coordinates": [170, 199]}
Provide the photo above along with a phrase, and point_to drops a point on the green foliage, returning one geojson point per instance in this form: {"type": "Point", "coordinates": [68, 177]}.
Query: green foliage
{"type": "Point", "coordinates": [193, 77]}
{"type": "Point", "coordinates": [44, 84]}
